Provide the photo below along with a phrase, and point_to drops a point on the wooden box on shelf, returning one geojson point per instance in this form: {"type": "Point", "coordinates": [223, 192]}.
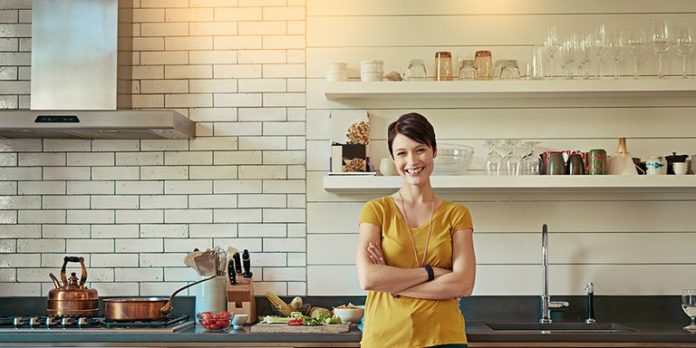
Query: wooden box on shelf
{"type": "Point", "coordinates": [240, 298]}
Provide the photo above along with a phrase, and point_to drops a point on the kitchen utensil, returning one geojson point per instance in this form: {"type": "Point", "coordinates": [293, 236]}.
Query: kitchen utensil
{"type": "Point", "coordinates": [148, 308]}
{"type": "Point", "coordinates": [237, 263]}
{"type": "Point", "coordinates": [452, 159]}
{"type": "Point", "coordinates": [246, 262]}
{"type": "Point", "coordinates": [622, 162]}
{"type": "Point", "coordinates": [188, 259]}
{"type": "Point", "coordinates": [443, 66]}
{"type": "Point", "coordinates": [349, 315]}
{"type": "Point", "coordinates": [321, 329]}
{"type": "Point", "coordinates": [231, 273]}
{"type": "Point", "coordinates": [211, 296]}
{"type": "Point", "coordinates": [672, 159]}
{"type": "Point", "coordinates": [211, 262]}
{"type": "Point", "coordinates": [72, 299]}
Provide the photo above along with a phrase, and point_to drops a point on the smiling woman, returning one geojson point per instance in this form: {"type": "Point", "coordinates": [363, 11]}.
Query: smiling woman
{"type": "Point", "coordinates": [415, 254]}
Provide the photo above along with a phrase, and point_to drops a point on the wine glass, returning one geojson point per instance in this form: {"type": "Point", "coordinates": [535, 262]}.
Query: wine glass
{"type": "Point", "coordinates": [689, 307]}
{"type": "Point", "coordinates": [599, 47]}
{"type": "Point", "coordinates": [493, 159]}
{"type": "Point", "coordinates": [635, 44]}
{"type": "Point", "coordinates": [511, 161]}
{"type": "Point", "coordinates": [660, 37]}
{"type": "Point", "coordinates": [617, 49]}
{"type": "Point", "coordinates": [551, 45]}
{"type": "Point", "coordinates": [584, 54]}
{"type": "Point", "coordinates": [530, 162]}
{"type": "Point", "coordinates": [684, 44]}
{"type": "Point", "coordinates": [567, 53]}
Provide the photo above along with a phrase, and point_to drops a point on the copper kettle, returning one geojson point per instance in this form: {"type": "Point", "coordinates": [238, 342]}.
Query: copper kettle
{"type": "Point", "coordinates": [72, 299]}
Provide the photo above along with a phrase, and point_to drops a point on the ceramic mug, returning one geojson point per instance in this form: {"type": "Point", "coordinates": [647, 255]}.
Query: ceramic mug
{"type": "Point", "coordinates": [679, 168]}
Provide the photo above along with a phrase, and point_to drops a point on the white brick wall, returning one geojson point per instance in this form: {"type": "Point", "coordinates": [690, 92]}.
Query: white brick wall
{"type": "Point", "coordinates": [133, 208]}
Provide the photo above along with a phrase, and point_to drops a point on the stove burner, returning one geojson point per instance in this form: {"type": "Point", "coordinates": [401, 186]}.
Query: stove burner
{"type": "Point", "coordinates": [34, 323]}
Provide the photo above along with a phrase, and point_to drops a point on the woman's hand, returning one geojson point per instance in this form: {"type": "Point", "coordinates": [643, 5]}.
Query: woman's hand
{"type": "Point", "coordinates": [375, 253]}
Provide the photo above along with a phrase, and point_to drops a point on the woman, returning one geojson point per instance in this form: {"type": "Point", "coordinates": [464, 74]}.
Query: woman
{"type": "Point", "coordinates": [415, 251]}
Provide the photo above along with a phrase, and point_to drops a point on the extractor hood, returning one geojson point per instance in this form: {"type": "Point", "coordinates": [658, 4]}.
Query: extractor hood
{"type": "Point", "coordinates": [81, 77]}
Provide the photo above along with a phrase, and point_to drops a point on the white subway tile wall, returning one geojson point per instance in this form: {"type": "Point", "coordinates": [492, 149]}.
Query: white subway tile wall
{"type": "Point", "coordinates": [133, 208]}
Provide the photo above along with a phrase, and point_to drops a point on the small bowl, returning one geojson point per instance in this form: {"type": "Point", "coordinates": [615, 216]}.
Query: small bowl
{"type": "Point", "coordinates": [349, 315]}
{"type": "Point", "coordinates": [212, 321]}
{"type": "Point", "coordinates": [238, 321]}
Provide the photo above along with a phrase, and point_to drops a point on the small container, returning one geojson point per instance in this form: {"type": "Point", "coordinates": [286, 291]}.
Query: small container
{"type": "Point", "coordinates": [653, 166]}
{"type": "Point", "coordinates": [211, 295]}
{"type": "Point", "coordinates": [597, 162]}
{"type": "Point", "coordinates": [336, 72]}
{"type": "Point", "coordinates": [443, 66]}
{"type": "Point", "coordinates": [371, 70]}
{"type": "Point", "coordinates": [483, 63]}
{"type": "Point", "coordinates": [575, 166]}
{"type": "Point", "coordinates": [416, 71]}
{"type": "Point", "coordinates": [555, 165]}
{"type": "Point", "coordinates": [466, 70]}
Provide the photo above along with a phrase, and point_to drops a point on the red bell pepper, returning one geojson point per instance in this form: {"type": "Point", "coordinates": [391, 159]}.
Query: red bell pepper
{"type": "Point", "coordinates": [296, 322]}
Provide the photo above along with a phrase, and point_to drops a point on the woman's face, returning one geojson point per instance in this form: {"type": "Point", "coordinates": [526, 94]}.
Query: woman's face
{"type": "Point", "coordinates": [413, 160]}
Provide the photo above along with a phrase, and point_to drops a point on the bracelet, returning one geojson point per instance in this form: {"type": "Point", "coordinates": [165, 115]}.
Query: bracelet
{"type": "Point", "coordinates": [429, 269]}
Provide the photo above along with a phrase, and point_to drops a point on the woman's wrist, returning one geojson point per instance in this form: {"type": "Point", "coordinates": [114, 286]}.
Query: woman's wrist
{"type": "Point", "coordinates": [429, 270]}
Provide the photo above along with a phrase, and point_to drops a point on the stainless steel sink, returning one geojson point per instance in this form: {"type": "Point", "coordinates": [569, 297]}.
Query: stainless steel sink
{"type": "Point", "coordinates": [561, 327]}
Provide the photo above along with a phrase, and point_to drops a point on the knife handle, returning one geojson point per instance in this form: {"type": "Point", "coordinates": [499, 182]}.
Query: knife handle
{"type": "Point", "coordinates": [237, 263]}
{"type": "Point", "coordinates": [246, 261]}
{"type": "Point", "coordinates": [231, 272]}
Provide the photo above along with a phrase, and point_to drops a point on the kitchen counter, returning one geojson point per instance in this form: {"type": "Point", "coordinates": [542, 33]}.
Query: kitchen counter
{"type": "Point", "coordinates": [480, 335]}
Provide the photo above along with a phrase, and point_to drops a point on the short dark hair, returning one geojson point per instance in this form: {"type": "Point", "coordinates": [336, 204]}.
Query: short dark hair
{"type": "Point", "coordinates": [414, 126]}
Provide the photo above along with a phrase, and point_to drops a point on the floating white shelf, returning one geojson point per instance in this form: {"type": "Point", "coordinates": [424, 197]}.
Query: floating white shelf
{"type": "Point", "coordinates": [613, 183]}
{"type": "Point", "coordinates": [510, 88]}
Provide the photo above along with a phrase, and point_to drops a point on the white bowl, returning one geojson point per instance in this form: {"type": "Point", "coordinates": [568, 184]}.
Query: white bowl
{"type": "Point", "coordinates": [352, 315]}
{"type": "Point", "coordinates": [238, 320]}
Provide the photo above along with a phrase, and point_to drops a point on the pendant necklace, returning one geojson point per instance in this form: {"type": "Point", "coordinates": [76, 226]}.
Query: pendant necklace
{"type": "Point", "coordinates": [410, 232]}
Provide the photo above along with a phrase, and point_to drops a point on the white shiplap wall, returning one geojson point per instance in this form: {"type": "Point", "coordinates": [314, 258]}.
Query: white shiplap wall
{"type": "Point", "coordinates": [627, 244]}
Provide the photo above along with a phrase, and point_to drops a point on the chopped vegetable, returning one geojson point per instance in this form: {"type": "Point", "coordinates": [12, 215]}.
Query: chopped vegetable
{"type": "Point", "coordinates": [296, 322]}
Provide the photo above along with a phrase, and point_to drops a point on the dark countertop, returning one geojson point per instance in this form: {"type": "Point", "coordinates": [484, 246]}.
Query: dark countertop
{"type": "Point", "coordinates": [476, 332]}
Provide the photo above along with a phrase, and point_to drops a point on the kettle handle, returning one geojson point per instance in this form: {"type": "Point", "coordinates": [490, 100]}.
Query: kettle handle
{"type": "Point", "coordinates": [83, 276]}
{"type": "Point", "coordinates": [56, 283]}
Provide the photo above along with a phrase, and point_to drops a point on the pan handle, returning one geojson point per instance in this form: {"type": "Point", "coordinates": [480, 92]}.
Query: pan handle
{"type": "Point", "coordinates": [167, 307]}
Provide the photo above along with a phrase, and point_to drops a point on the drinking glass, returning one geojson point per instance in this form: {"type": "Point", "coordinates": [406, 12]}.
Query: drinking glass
{"type": "Point", "coordinates": [584, 54]}
{"type": "Point", "coordinates": [689, 307]}
{"type": "Point", "coordinates": [552, 44]}
{"type": "Point", "coordinates": [599, 47]}
{"type": "Point", "coordinates": [684, 44]}
{"type": "Point", "coordinates": [493, 159]}
{"type": "Point", "coordinates": [530, 162]}
{"type": "Point", "coordinates": [635, 44]}
{"type": "Point", "coordinates": [617, 49]}
{"type": "Point", "coordinates": [567, 53]}
{"type": "Point", "coordinates": [660, 40]}
{"type": "Point", "coordinates": [416, 71]}
{"type": "Point", "coordinates": [511, 161]}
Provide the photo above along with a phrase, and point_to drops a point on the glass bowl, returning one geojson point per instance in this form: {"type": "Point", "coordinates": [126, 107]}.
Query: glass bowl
{"type": "Point", "coordinates": [214, 321]}
{"type": "Point", "coordinates": [453, 159]}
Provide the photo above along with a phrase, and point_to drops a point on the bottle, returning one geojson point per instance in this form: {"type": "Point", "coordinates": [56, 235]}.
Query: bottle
{"type": "Point", "coordinates": [622, 163]}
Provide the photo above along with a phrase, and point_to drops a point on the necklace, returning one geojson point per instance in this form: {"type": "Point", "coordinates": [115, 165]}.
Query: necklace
{"type": "Point", "coordinates": [410, 232]}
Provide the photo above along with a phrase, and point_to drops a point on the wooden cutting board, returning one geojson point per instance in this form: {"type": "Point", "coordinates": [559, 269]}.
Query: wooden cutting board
{"type": "Point", "coordinates": [283, 328]}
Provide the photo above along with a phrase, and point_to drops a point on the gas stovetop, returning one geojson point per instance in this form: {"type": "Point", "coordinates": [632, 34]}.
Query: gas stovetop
{"type": "Point", "coordinates": [96, 324]}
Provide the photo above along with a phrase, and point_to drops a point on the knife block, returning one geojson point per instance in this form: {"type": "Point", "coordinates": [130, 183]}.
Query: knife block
{"type": "Point", "coordinates": [240, 299]}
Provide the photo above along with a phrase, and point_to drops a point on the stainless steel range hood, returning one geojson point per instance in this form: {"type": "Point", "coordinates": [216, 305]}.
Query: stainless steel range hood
{"type": "Point", "coordinates": [81, 77]}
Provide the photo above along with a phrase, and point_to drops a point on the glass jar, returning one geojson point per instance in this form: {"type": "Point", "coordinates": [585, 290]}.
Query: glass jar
{"type": "Point", "coordinates": [443, 66]}
{"type": "Point", "coordinates": [483, 63]}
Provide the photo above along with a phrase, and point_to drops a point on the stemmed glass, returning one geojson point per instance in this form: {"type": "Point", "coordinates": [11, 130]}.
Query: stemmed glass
{"type": "Point", "coordinates": [599, 47]}
{"type": "Point", "coordinates": [493, 159]}
{"type": "Point", "coordinates": [551, 46]}
{"type": "Point", "coordinates": [636, 47]}
{"type": "Point", "coordinates": [689, 307]}
{"type": "Point", "coordinates": [617, 46]}
{"type": "Point", "coordinates": [584, 54]}
{"type": "Point", "coordinates": [568, 51]}
{"type": "Point", "coordinates": [530, 162]}
{"type": "Point", "coordinates": [684, 44]}
{"type": "Point", "coordinates": [660, 41]}
{"type": "Point", "coordinates": [511, 161]}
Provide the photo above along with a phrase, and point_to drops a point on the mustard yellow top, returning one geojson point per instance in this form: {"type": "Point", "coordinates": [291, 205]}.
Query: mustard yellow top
{"type": "Point", "coordinates": [407, 321]}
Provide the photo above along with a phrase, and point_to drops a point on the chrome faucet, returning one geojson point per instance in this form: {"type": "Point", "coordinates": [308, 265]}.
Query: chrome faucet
{"type": "Point", "coordinates": [546, 303]}
{"type": "Point", "coordinates": [590, 303]}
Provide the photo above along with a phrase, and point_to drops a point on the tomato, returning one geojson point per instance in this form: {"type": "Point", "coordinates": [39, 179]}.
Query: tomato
{"type": "Point", "coordinates": [213, 327]}
{"type": "Point", "coordinates": [223, 322]}
{"type": "Point", "coordinates": [296, 322]}
{"type": "Point", "coordinates": [224, 314]}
